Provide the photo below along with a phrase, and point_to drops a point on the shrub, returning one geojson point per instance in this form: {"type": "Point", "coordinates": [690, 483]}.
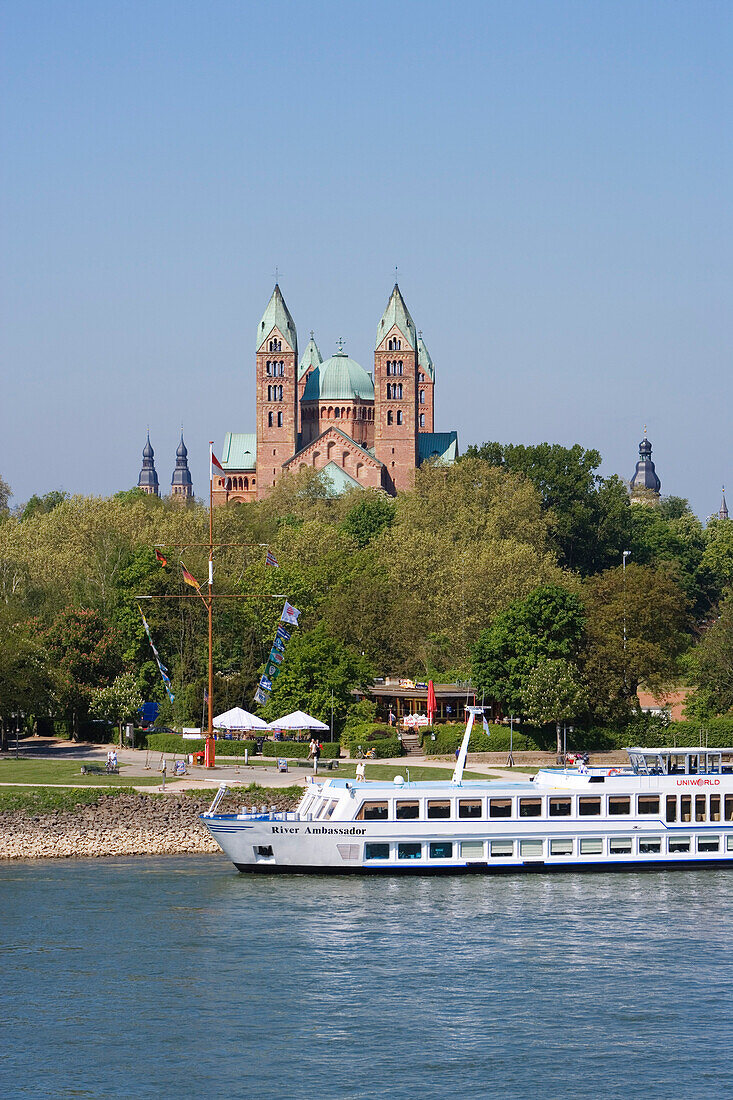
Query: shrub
{"type": "Point", "coordinates": [299, 749]}
{"type": "Point", "coordinates": [225, 747]}
{"type": "Point", "coordinates": [363, 733]}
{"type": "Point", "coordinates": [385, 747]}
{"type": "Point", "coordinates": [172, 742]}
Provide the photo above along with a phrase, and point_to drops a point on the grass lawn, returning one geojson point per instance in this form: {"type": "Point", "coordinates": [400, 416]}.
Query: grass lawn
{"type": "Point", "coordinates": [33, 772]}
{"type": "Point", "coordinates": [374, 770]}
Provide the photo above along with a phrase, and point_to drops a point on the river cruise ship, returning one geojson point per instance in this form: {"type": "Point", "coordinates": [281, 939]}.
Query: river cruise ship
{"type": "Point", "coordinates": [667, 808]}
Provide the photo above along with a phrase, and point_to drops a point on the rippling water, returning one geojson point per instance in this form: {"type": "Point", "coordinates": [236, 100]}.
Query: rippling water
{"type": "Point", "coordinates": [179, 977]}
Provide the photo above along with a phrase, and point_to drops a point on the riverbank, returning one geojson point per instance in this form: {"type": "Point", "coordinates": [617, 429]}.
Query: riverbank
{"type": "Point", "coordinates": [118, 823]}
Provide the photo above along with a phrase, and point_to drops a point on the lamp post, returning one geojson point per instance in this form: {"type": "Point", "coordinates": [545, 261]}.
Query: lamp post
{"type": "Point", "coordinates": [510, 761]}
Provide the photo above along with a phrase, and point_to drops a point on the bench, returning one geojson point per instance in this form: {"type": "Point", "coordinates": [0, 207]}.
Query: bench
{"type": "Point", "coordinates": [322, 764]}
{"type": "Point", "coordinates": [98, 769]}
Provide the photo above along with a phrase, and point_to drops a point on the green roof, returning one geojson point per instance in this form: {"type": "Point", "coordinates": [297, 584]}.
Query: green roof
{"type": "Point", "coordinates": [340, 481]}
{"type": "Point", "coordinates": [311, 358]}
{"type": "Point", "coordinates": [442, 446]}
{"type": "Point", "coordinates": [398, 314]}
{"type": "Point", "coordinates": [240, 451]}
{"type": "Point", "coordinates": [423, 359]}
{"type": "Point", "coordinates": [277, 315]}
{"type": "Point", "coordinates": [339, 379]}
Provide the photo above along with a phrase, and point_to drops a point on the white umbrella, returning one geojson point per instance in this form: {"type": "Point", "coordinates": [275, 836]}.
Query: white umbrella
{"type": "Point", "coordinates": [238, 719]}
{"type": "Point", "coordinates": [298, 720]}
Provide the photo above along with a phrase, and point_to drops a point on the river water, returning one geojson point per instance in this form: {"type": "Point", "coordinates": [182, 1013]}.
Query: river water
{"type": "Point", "coordinates": [179, 977]}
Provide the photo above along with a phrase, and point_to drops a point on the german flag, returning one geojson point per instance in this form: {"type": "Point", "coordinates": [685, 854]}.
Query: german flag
{"type": "Point", "coordinates": [161, 558]}
{"type": "Point", "coordinates": [190, 579]}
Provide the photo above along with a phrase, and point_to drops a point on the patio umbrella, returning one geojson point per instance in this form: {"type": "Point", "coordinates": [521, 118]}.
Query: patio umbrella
{"type": "Point", "coordinates": [298, 720]}
{"type": "Point", "coordinates": [431, 703]}
{"type": "Point", "coordinates": [238, 719]}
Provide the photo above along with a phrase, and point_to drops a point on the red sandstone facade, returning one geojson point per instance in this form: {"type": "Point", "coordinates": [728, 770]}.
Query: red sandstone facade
{"type": "Point", "coordinates": [332, 416]}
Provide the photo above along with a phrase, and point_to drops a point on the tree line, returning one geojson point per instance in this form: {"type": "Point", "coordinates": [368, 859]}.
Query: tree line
{"type": "Point", "coordinates": [505, 568]}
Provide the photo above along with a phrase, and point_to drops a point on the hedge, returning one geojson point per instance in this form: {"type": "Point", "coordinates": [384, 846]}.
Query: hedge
{"type": "Point", "coordinates": [363, 733]}
{"type": "Point", "coordinates": [300, 749]}
{"type": "Point", "coordinates": [385, 747]}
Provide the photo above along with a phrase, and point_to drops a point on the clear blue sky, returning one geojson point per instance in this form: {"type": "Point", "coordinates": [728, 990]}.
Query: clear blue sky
{"type": "Point", "coordinates": [553, 181]}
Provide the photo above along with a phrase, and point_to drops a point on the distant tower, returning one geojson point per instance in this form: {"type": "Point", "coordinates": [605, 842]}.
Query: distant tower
{"type": "Point", "coordinates": [311, 359]}
{"type": "Point", "coordinates": [395, 393]}
{"type": "Point", "coordinates": [181, 484]}
{"type": "Point", "coordinates": [645, 484]}
{"type": "Point", "coordinates": [277, 392]}
{"type": "Point", "coordinates": [723, 513]}
{"type": "Point", "coordinates": [425, 388]}
{"type": "Point", "coordinates": [148, 480]}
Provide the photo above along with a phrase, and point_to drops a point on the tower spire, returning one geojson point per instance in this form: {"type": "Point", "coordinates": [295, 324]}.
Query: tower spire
{"type": "Point", "coordinates": [181, 483]}
{"type": "Point", "coordinates": [148, 479]}
{"type": "Point", "coordinates": [723, 513]}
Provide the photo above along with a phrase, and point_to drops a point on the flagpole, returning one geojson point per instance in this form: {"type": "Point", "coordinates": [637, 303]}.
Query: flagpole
{"type": "Point", "coordinates": [210, 743]}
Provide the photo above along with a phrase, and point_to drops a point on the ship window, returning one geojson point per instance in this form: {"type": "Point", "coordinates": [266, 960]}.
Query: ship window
{"type": "Point", "coordinates": [441, 849]}
{"type": "Point", "coordinates": [686, 808]}
{"type": "Point", "coordinates": [469, 807]}
{"type": "Point", "coordinates": [331, 807]}
{"type": "Point", "coordinates": [678, 844]}
{"type": "Point", "coordinates": [438, 809]}
{"type": "Point", "coordinates": [472, 849]}
{"type": "Point", "coordinates": [409, 850]}
{"type": "Point", "coordinates": [715, 807]}
{"type": "Point", "coordinates": [648, 804]}
{"type": "Point", "coordinates": [561, 847]}
{"type": "Point", "coordinates": [530, 807]}
{"type": "Point", "coordinates": [501, 848]}
{"type": "Point", "coordinates": [373, 811]}
{"type": "Point", "coordinates": [619, 846]}
{"type": "Point", "coordinates": [671, 807]}
{"type": "Point", "coordinates": [560, 807]}
{"type": "Point", "coordinates": [500, 807]}
{"type": "Point", "coordinates": [376, 851]}
{"type": "Point", "coordinates": [700, 807]}
{"type": "Point", "coordinates": [708, 844]}
{"type": "Point", "coordinates": [650, 846]}
{"type": "Point", "coordinates": [591, 846]}
{"type": "Point", "coordinates": [530, 848]}
{"type": "Point", "coordinates": [618, 806]}
{"type": "Point", "coordinates": [589, 807]}
{"type": "Point", "coordinates": [407, 810]}
{"type": "Point", "coordinates": [729, 842]}
{"type": "Point", "coordinates": [729, 807]}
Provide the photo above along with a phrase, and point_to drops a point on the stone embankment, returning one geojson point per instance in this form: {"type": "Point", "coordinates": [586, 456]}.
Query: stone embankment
{"type": "Point", "coordinates": [120, 825]}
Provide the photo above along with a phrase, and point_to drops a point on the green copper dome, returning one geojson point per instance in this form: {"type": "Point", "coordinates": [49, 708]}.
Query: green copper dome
{"type": "Point", "coordinates": [340, 379]}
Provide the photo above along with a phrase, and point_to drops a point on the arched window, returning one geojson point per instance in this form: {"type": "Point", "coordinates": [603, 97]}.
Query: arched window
{"type": "Point", "coordinates": [422, 397]}
{"type": "Point", "coordinates": [330, 412]}
{"type": "Point", "coordinates": [279, 393]}
{"type": "Point", "coordinates": [389, 391]}
{"type": "Point", "coordinates": [399, 416]}
{"type": "Point", "coordinates": [280, 420]}
{"type": "Point", "coordinates": [399, 367]}
{"type": "Point", "coordinates": [269, 420]}
{"type": "Point", "coordinates": [422, 420]}
{"type": "Point", "coordinates": [246, 483]}
{"type": "Point", "coordinates": [323, 411]}
{"type": "Point", "coordinates": [389, 417]}
{"type": "Point", "coordinates": [269, 393]}
{"type": "Point", "coordinates": [337, 413]}
{"type": "Point", "coordinates": [281, 371]}
{"type": "Point", "coordinates": [421, 377]}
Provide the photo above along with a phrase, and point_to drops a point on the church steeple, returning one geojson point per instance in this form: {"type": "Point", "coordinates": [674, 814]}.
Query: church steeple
{"type": "Point", "coordinates": [148, 479]}
{"type": "Point", "coordinates": [277, 392]}
{"type": "Point", "coordinates": [645, 484]}
{"type": "Point", "coordinates": [277, 316]}
{"type": "Point", "coordinates": [181, 484]}
{"type": "Point", "coordinates": [723, 513]}
{"type": "Point", "coordinates": [397, 314]}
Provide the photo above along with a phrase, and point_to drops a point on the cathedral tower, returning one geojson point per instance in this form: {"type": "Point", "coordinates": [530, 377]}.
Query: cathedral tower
{"type": "Point", "coordinates": [425, 388]}
{"type": "Point", "coordinates": [148, 480]}
{"type": "Point", "coordinates": [277, 392]}
{"type": "Point", "coordinates": [181, 484]}
{"type": "Point", "coordinates": [645, 484]}
{"type": "Point", "coordinates": [395, 393]}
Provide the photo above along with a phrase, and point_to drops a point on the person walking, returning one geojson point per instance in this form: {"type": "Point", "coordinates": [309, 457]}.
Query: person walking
{"type": "Point", "coordinates": [316, 754]}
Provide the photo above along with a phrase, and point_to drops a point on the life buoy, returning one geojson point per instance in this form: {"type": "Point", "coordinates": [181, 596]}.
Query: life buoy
{"type": "Point", "coordinates": [614, 771]}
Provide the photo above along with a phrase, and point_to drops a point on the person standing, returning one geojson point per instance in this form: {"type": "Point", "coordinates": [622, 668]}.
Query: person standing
{"type": "Point", "coordinates": [316, 754]}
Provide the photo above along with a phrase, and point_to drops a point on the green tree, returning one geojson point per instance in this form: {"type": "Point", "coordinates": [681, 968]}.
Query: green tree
{"type": "Point", "coordinates": [42, 505]}
{"type": "Point", "coordinates": [85, 656]}
{"type": "Point", "coordinates": [26, 679]}
{"type": "Point", "coordinates": [548, 624]}
{"type": "Point", "coordinates": [711, 666]}
{"type": "Point", "coordinates": [637, 629]}
{"type": "Point", "coordinates": [117, 702]}
{"type": "Point", "coordinates": [590, 515]}
{"type": "Point", "coordinates": [5, 494]}
{"type": "Point", "coordinates": [317, 667]}
{"type": "Point", "coordinates": [717, 556]}
{"type": "Point", "coordinates": [368, 517]}
{"type": "Point", "coordinates": [554, 692]}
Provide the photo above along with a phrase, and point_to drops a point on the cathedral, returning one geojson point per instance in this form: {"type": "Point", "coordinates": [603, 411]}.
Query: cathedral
{"type": "Point", "coordinates": [362, 430]}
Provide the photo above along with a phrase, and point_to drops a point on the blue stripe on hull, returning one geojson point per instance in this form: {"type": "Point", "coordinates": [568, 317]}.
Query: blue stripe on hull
{"type": "Point", "coordinates": [535, 867]}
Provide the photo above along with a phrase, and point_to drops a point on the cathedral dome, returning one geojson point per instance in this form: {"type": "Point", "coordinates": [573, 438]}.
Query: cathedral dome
{"type": "Point", "coordinates": [342, 379]}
